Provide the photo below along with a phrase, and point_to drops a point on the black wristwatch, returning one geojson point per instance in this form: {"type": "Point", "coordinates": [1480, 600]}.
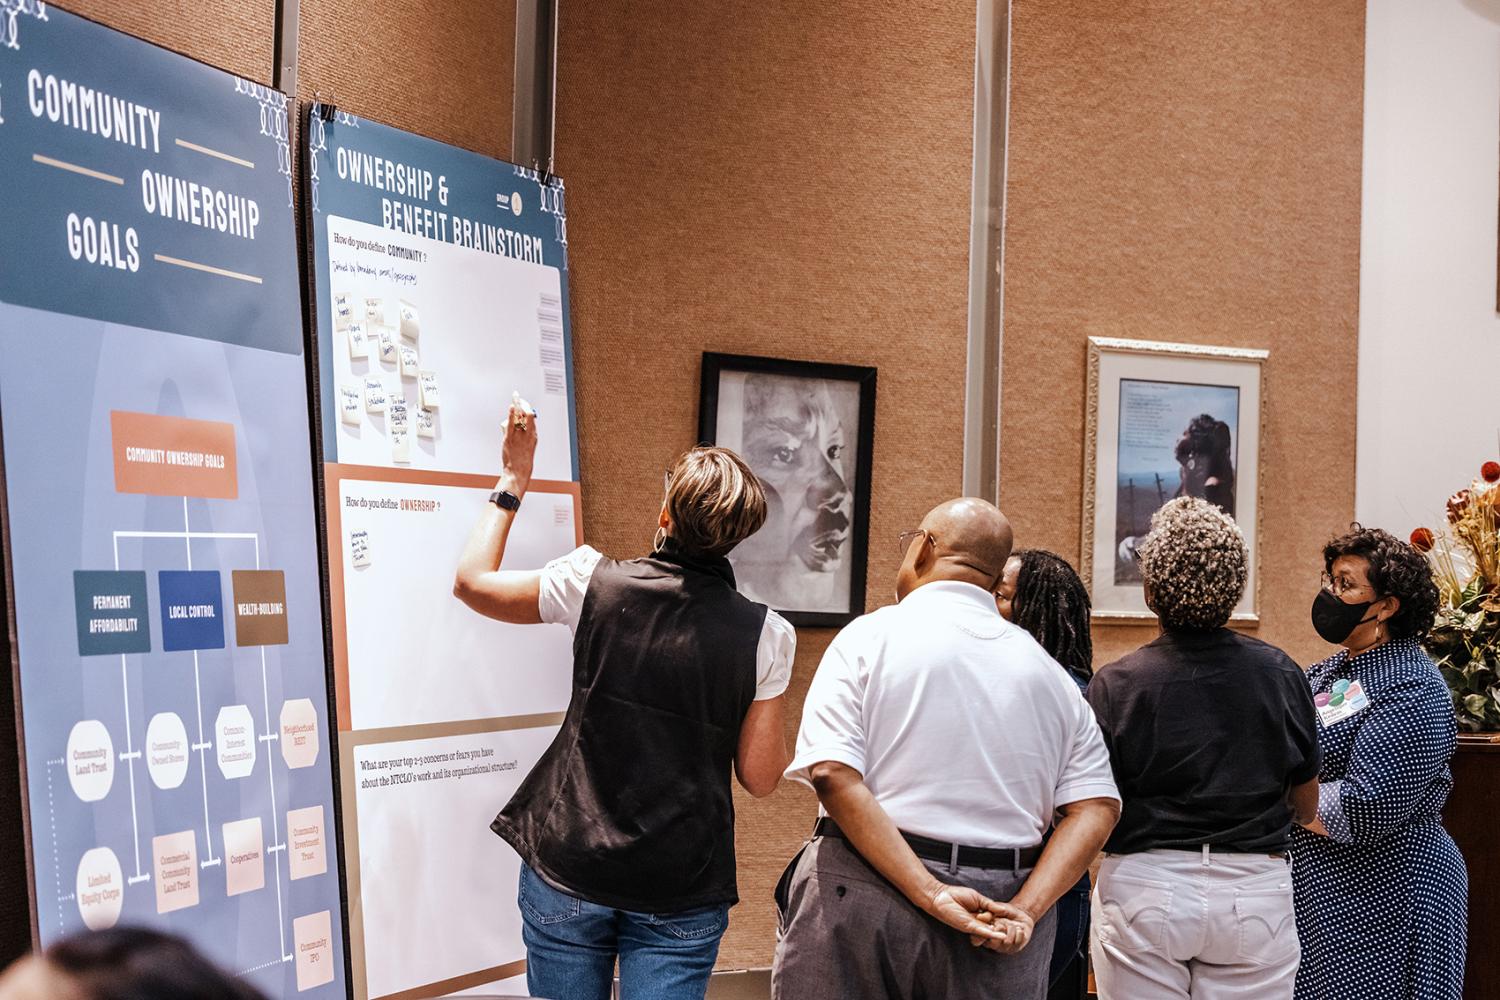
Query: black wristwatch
{"type": "Point", "coordinates": [505, 500]}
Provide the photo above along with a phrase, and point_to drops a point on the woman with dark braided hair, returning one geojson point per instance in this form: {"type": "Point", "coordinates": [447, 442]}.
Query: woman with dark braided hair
{"type": "Point", "coordinates": [1381, 889]}
{"type": "Point", "coordinates": [1042, 594]}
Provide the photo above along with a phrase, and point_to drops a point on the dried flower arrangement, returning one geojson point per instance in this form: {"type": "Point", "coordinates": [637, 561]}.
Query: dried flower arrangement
{"type": "Point", "coordinates": [1465, 639]}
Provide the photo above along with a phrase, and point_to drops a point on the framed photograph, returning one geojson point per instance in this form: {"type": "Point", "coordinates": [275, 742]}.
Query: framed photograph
{"type": "Point", "coordinates": [1164, 421]}
{"type": "Point", "coordinates": [808, 430]}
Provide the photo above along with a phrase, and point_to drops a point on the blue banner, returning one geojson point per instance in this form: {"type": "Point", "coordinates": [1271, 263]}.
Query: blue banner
{"type": "Point", "coordinates": [162, 524]}
{"type": "Point", "coordinates": [478, 248]}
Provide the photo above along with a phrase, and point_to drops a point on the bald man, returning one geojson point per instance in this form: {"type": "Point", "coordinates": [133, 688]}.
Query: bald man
{"type": "Point", "coordinates": [942, 742]}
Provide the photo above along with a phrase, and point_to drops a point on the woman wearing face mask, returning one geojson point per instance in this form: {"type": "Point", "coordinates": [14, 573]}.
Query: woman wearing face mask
{"type": "Point", "coordinates": [1381, 889]}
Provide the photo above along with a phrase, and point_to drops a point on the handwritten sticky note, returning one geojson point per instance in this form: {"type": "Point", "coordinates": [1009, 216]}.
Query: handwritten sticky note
{"type": "Point", "coordinates": [411, 323]}
{"type": "Point", "coordinates": [410, 363]}
{"type": "Point", "coordinates": [375, 394]}
{"type": "Point", "coordinates": [388, 352]}
{"type": "Point", "coordinates": [343, 312]}
{"type": "Point", "coordinates": [359, 548]}
{"type": "Point", "coordinates": [350, 403]}
{"type": "Point", "coordinates": [375, 311]}
{"type": "Point", "coordinates": [400, 430]}
{"type": "Point", "coordinates": [426, 425]}
{"type": "Point", "coordinates": [428, 390]}
{"type": "Point", "coordinates": [359, 344]}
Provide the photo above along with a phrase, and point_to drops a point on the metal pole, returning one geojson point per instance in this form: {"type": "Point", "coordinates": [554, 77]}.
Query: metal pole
{"type": "Point", "coordinates": [534, 108]}
{"type": "Point", "coordinates": [987, 251]}
{"type": "Point", "coordinates": [284, 68]}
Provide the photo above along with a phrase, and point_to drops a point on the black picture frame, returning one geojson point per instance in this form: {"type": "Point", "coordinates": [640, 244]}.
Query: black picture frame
{"type": "Point", "coordinates": [715, 367]}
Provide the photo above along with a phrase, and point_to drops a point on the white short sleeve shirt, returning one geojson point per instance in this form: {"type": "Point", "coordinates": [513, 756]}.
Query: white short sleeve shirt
{"type": "Point", "coordinates": [964, 729]}
{"type": "Point", "coordinates": [565, 581]}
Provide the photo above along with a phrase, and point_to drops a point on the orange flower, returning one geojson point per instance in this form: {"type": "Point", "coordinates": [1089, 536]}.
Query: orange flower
{"type": "Point", "coordinates": [1422, 539]}
{"type": "Point", "coordinates": [1490, 471]}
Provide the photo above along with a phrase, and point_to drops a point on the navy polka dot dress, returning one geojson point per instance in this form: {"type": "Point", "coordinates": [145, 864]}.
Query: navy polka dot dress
{"type": "Point", "coordinates": [1382, 902]}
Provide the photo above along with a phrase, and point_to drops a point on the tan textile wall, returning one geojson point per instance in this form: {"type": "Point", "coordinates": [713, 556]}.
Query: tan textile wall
{"type": "Point", "coordinates": [235, 35]}
{"type": "Point", "coordinates": [1187, 172]}
{"type": "Point", "coordinates": [789, 179]}
{"type": "Point", "coordinates": [444, 71]}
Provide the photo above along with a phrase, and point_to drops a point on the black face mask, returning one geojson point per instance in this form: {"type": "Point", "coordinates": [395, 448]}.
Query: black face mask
{"type": "Point", "coordinates": [1334, 619]}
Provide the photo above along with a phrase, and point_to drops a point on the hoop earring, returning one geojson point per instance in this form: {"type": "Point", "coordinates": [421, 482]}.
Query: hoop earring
{"type": "Point", "coordinates": [659, 539]}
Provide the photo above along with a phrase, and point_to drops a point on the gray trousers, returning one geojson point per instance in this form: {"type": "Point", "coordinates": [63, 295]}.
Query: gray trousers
{"type": "Point", "coordinates": [847, 933]}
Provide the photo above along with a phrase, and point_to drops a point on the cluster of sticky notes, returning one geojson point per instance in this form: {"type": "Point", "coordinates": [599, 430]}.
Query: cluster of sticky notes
{"type": "Point", "coordinates": [394, 345]}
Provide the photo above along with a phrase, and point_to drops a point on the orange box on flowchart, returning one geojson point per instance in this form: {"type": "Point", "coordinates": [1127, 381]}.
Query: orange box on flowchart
{"type": "Point", "coordinates": [173, 456]}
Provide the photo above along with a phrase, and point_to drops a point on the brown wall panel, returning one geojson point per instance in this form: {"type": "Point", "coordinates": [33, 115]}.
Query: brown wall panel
{"type": "Point", "coordinates": [443, 70]}
{"type": "Point", "coordinates": [789, 179]}
{"type": "Point", "coordinates": [1187, 172]}
{"type": "Point", "coordinates": [234, 35]}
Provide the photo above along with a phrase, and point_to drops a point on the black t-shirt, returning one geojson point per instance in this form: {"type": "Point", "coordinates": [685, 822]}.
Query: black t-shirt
{"type": "Point", "coordinates": [1207, 732]}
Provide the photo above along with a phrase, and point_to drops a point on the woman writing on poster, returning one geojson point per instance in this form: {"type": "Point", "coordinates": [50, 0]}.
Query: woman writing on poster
{"type": "Point", "coordinates": [625, 827]}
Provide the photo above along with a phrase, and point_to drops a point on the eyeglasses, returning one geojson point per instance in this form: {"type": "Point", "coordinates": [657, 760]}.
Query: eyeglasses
{"type": "Point", "coordinates": [904, 539]}
{"type": "Point", "coordinates": [1339, 586]}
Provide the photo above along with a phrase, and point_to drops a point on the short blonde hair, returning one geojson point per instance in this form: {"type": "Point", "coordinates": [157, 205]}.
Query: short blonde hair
{"type": "Point", "coordinates": [1195, 564]}
{"type": "Point", "coordinates": [714, 500]}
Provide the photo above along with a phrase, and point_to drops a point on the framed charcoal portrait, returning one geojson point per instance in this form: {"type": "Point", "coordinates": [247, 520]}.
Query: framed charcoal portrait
{"type": "Point", "coordinates": [1165, 421]}
{"type": "Point", "coordinates": [808, 431]}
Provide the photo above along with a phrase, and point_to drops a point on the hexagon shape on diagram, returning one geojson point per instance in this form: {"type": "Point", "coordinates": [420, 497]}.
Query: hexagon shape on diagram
{"type": "Point", "coordinates": [299, 732]}
{"type": "Point", "coordinates": [90, 760]}
{"type": "Point", "coordinates": [100, 889]}
{"type": "Point", "coordinates": [234, 740]}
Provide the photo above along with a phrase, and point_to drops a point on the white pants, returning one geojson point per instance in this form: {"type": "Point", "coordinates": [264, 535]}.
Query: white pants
{"type": "Point", "coordinates": [1172, 924]}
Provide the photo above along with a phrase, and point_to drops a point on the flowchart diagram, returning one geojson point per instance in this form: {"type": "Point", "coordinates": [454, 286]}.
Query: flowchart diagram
{"type": "Point", "coordinates": [224, 743]}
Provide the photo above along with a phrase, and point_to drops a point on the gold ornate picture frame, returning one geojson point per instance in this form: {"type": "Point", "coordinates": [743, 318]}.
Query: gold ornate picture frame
{"type": "Point", "coordinates": [1166, 420]}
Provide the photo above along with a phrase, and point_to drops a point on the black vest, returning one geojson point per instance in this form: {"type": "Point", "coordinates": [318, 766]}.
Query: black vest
{"type": "Point", "coordinates": [630, 807]}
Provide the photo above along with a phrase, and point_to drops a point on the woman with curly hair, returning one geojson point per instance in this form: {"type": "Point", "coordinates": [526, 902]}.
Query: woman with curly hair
{"type": "Point", "coordinates": [1042, 594]}
{"type": "Point", "coordinates": [1214, 743]}
{"type": "Point", "coordinates": [1382, 891]}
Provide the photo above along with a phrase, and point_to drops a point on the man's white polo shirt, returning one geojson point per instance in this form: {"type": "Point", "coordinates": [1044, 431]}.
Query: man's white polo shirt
{"type": "Point", "coordinates": [964, 728]}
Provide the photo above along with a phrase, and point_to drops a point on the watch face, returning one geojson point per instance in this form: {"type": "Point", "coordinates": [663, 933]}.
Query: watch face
{"type": "Point", "coordinates": [505, 500]}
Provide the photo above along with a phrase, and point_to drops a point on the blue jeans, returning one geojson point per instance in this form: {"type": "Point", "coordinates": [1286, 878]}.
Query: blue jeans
{"type": "Point", "coordinates": [571, 946]}
{"type": "Point", "coordinates": [1070, 964]}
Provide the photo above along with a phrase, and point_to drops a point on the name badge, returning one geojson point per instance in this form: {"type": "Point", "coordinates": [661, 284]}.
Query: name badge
{"type": "Point", "coordinates": [1345, 699]}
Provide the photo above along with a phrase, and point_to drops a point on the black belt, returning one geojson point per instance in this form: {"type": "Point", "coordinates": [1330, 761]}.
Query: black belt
{"type": "Point", "coordinates": [1011, 858]}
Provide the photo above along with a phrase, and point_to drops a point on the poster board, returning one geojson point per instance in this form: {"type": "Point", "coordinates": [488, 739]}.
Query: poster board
{"type": "Point", "coordinates": [439, 287]}
{"type": "Point", "coordinates": [162, 548]}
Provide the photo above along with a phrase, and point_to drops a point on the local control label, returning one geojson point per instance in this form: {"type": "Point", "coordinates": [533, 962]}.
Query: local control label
{"type": "Point", "coordinates": [90, 760]}
{"type": "Point", "coordinates": [235, 741]}
{"type": "Point", "coordinates": [166, 750]}
{"type": "Point", "coordinates": [111, 612]}
{"type": "Point", "coordinates": [299, 733]}
{"type": "Point", "coordinates": [259, 607]}
{"type": "Point", "coordinates": [100, 889]}
{"type": "Point", "coordinates": [192, 609]}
